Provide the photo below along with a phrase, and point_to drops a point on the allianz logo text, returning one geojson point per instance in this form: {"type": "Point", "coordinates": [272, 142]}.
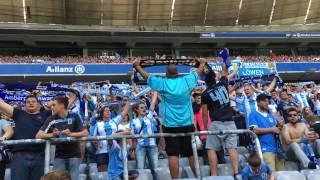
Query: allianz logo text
{"type": "Point", "coordinates": [79, 69]}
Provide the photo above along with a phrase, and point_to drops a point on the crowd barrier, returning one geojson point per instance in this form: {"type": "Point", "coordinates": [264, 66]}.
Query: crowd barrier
{"type": "Point", "coordinates": [123, 144]}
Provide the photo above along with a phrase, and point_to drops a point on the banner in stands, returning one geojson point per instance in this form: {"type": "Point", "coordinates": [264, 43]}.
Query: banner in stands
{"type": "Point", "coordinates": [15, 98]}
{"type": "Point", "coordinates": [248, 69]}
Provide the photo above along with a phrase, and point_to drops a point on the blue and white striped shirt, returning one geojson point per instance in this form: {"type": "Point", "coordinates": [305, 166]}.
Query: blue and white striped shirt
{"type": "Point", "coordinates": [105, 128]}
{"type": "Point", "coordinates": [145, 125]}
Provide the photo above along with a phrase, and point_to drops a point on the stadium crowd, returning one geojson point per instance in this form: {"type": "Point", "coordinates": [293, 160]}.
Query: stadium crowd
{"type": "Point", "coordinates": [285, 118]}
{"type": "Point", "coordinates": [119, 59]}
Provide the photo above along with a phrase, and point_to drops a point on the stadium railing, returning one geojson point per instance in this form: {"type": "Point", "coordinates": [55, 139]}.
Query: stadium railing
{"type": "Point", "coordinates": [123, 144]}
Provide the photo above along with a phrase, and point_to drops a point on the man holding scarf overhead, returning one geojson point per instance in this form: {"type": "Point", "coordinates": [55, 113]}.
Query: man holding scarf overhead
{"type": "Point", "coordinates": [175, 109]}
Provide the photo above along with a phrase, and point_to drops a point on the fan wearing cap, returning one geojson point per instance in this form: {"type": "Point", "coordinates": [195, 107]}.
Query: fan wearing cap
{"type": "Point", "coordinates": [105, 123]}
{"type": "Point", "coordinates": [264, 125]}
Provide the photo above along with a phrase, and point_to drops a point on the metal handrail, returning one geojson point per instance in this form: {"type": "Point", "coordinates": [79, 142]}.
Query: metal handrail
{"type": "Point", "coordinates": [123, 139]}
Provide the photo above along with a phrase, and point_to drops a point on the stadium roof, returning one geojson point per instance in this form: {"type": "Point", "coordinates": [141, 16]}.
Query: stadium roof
{"type": "Point", "coordinates": [161, 12]}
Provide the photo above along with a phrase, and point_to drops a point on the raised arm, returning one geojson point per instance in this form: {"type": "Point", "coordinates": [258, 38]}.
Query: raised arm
{"type": "Point", "coordinates": [126, 109]}
{"type": "Point", "coordinates": [272, 84]}
{"type": "Point", "coordinates": [137, 66]}
{"type": "Point", "coordinates": [234, 73]}
{"type": "Point", "coordinates": [154, 101]}
{"type": "Point", "coordinates": [202, 65]}
{"type": "Point", "coordinates": [8, 133]}
{"type": "Point", "coordinates": [6, 108]}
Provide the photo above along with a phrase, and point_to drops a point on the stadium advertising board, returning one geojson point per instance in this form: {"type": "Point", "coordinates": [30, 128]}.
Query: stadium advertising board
{"type": "Point", "coordinates": [260, 35]}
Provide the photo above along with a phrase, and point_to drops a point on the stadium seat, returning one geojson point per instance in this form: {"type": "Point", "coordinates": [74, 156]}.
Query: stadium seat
{"type": "Point", "coordinates": [99, 176]}
{"type": "Point", "coordinates": [8, 174]}
{"type": "Point", "coordinates": [93, 168]}
{"type": "Point", "coordinates": [292, 166]}
{"type": "Point", "coordinates": [164, 173]}
{"type": "Point", "coordinates": [162, 163]}
{"type": "Point", "coordinates": [313, 176]}
{"type": "Point", "coordinates": [82, 168]}
{"type": "Point", "coordinates": [218, 178]}
{"type": "Point", "coordinates": [306, 172]}
{"type": "Point", "coordinates": [144, 174]}
{"type": "Point", "coordinates": [132, 165]}
{"type": "Point", "coordinates": [184, 162]}
{"type": "Point", "coordinates": [288, 176]}
{"type": "Point", "coordinates": [82, 177]}
{"type": "Point", "coordinates": [224, 170]}
{"type": "Point", "coordinates": [205, 171]}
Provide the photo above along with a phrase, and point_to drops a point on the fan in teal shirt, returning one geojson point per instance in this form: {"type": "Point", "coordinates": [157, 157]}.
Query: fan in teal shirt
{"type": "Point", "coordinates": [176, 102]}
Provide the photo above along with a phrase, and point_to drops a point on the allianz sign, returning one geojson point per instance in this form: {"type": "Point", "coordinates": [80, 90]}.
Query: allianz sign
{"type": "Point", "coordinates": [78, 69]}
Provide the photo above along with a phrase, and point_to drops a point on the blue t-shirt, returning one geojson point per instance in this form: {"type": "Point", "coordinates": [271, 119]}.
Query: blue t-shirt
{"type": "Point", "coordinates": [115, 167]}
{"type": "Point", "coordinates": [264, 173]}
{"type": "Point", "coordinates": [259, 120]}
{"type": "Point", "coordinates": [176, 103]}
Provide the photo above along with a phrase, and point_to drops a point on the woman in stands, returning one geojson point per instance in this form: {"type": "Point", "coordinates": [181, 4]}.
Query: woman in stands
{"type": "Point", "coordinates": [145, 123]}
{"type": "Point", "coordinates": [99, 129]}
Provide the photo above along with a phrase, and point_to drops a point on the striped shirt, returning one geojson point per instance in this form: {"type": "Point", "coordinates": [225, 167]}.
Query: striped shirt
{"type": "Point", "coordinates": [145, 125]}
{"type": "Point", "coordinates": [105, 128]}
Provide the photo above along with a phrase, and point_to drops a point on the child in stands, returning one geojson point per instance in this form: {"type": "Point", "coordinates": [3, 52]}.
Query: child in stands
{"type": "Point", "coordinates": [256, 170]}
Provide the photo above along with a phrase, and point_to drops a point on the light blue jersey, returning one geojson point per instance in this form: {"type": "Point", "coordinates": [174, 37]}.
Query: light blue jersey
{"type": "Point", "coordinates": [145, 125]}
{"type": "Point", "coordinates": [264, 173]}
{"type": "Point", "coordinates": [105, 128]}
{"type": "Point", "coordinates": [176, 103]}
{"type": "Point", "coordinates": [115, 167]}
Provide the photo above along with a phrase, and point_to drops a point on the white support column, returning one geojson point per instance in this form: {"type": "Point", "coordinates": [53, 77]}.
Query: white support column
{"type": "Point", "coordinates": [205, 12]}
{"type": "Point", "coordinates": [101, 12]}
{"type": "Point", "coordinates": [24, 11]}
{"type": "Point", "coordinates": [272, 11]}
{"type": "Point", "coordinates": [138, 11]}
{"type": "Point", "coordinates": [238, 17]}
{"type": "Point", "coordinates": [307, 12]}
{"type": "Point", "coordinates": [172, 11]}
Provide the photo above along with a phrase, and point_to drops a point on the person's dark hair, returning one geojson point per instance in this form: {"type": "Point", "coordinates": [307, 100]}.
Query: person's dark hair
{"type": "Point", "coordinates": [196, 95]}
{"type": "Point", "coordinates": [136, 106]}
{"type": "Point", "coordinates": [56, 175]}
{"type": "Point", "coordinates": [291, 109]}
{"type": "Point", "coordinates": [100, 114]}
{"type": "Point", "coordinates": [32, 96]}
{"type": "Point", "coordinates": [62, 100]}
{"type": "Point", "coordinates": [210, 77]}
{"type": "Point", "coordinates": [254, 160]}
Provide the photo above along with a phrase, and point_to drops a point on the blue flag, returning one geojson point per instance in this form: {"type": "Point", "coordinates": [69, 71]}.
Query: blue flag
{"type": "Point", "coordinates": [224, 54]}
